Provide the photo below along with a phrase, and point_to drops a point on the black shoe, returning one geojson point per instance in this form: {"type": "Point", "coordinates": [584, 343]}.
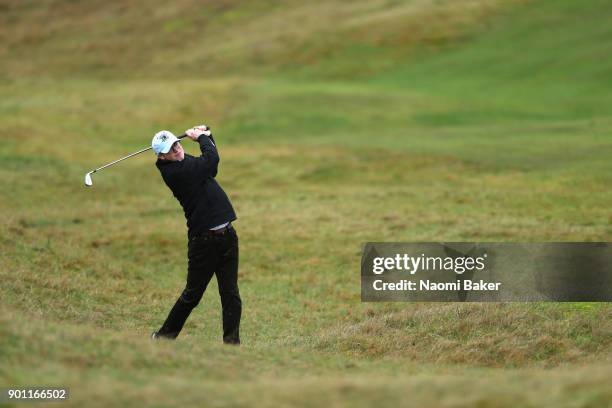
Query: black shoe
{"type": "Point", "coordinates": [156, 336]}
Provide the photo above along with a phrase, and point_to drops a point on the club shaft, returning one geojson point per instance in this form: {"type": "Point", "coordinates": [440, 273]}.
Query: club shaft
{"type": "Point", "coordinates": [123, 158]}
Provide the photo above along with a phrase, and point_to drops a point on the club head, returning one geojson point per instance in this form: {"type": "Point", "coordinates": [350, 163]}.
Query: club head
{"type": "Point", "coordinates": [88, 181]}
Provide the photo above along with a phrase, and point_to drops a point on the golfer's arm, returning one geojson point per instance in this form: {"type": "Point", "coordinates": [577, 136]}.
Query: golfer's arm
{"type": "Point", "coordinates": [209, 160]}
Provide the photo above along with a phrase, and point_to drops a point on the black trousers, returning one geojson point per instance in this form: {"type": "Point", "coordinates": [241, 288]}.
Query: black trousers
{"type": "Point", "coordinates": [208, 255]}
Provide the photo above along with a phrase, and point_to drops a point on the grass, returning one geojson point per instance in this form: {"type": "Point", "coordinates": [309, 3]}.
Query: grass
{"type": "Point", "coordinates": [374, 121]}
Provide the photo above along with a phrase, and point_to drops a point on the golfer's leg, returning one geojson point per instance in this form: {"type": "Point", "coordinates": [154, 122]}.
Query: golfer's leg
{"type": "Point", "coordinates": [200, 270]}
{"type": "Point", "coordinates": [227, 278]}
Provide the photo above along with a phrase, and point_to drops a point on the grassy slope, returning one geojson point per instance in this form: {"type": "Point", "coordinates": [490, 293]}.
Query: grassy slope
{"type": "Point", "coordinates": [362, 136]}
{"type": "Point", "coordinates": [191, 38]}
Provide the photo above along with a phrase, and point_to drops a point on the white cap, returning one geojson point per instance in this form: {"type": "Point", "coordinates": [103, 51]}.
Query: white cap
{"type": "Point", "coordinates": [162, 141]}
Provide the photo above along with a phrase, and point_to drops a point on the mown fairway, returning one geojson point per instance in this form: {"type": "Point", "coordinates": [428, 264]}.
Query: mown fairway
{"type": "Point", "coordinates": [337, 123]}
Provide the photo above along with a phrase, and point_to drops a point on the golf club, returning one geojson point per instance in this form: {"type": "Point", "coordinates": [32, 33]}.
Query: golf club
{"type": "Point", "coordinates": [88, 180]}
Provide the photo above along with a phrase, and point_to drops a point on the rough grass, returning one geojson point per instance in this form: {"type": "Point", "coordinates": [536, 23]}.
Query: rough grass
{"type": "Point", "coordinates": [506, 335]}
{"type": "Point", "coordinates": [119, 368]}
{"type": "Point", "coordinates": [445, 136]}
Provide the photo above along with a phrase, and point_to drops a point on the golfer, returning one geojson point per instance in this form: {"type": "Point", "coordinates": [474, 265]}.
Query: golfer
{"type": "Point", "coordinates": [213, 243]}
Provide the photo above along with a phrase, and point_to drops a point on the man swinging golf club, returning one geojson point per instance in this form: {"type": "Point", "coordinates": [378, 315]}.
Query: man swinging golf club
{"type": "Point", "coordinates": [213, 243]}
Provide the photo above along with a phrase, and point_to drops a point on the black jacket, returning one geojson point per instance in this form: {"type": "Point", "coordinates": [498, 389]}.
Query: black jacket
{"type": "Point", "coordinates": [193, 184]}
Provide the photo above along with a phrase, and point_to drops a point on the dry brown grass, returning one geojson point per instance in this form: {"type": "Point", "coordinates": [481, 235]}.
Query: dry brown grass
{"type": "Point", "coordinates": [493, 335]}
